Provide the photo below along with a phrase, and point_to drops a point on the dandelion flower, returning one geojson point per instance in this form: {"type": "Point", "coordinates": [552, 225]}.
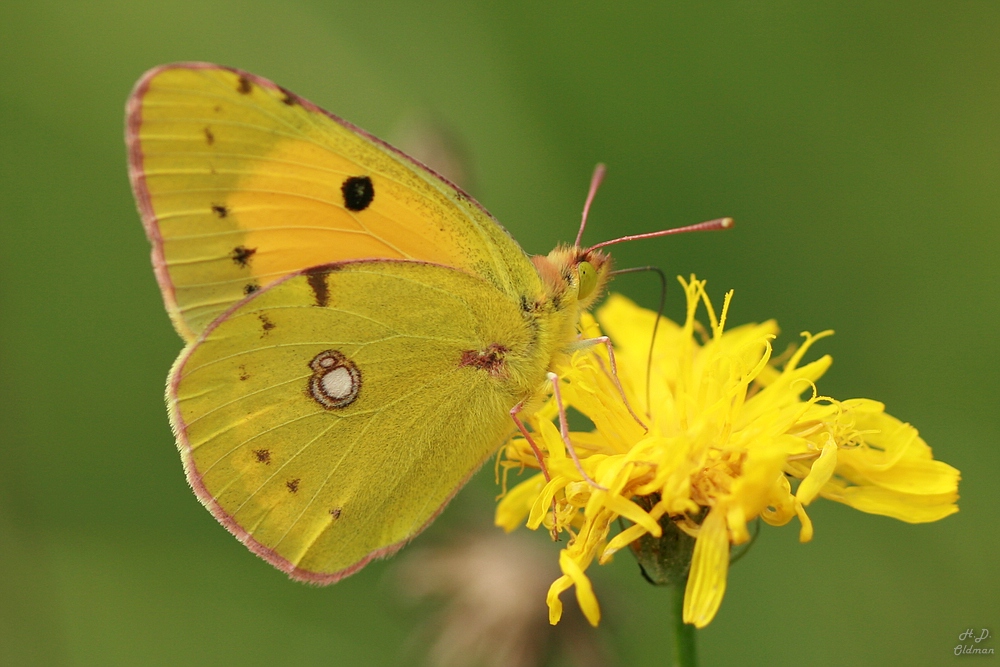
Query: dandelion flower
{"type": "Point", "coordinates": [733, 434]}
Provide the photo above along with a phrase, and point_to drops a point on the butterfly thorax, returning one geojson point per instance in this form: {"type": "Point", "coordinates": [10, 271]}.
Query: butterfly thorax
{"type": "Point", "coordinates": [572, 278]}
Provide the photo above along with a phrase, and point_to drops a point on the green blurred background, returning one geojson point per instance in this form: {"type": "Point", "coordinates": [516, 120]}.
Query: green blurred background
{"type": "Point", "coordinates": [856, 144]}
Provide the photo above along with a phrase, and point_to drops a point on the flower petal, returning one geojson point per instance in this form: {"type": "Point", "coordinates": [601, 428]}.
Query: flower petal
{"type": "Point", "coordinates": [561, 584]}
{"type": "Point", "coordinates": [709, 565]}
{"type": "Point", "coordinates": [622, 540]}
{"type": "Point", "coordinates": [820, 473]}
{"type": "Point", "coordinates": [806, 532]}
{"type": "Point", "coordinates": [633, 513]}
{"type": "Point", "coordinates": [908, 507]}
{"type": "Point", "coordinates": [584, 591]}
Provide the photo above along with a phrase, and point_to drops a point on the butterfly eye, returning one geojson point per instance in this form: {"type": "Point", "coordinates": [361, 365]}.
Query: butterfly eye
{"type": "Point", "coordinates": [588, 279]}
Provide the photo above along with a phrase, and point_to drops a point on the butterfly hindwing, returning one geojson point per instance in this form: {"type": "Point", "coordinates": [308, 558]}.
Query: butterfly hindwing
{"type": "Point", "coordinates": [240, 182]}
{"type": "Point", "coordinates": [326, 419]}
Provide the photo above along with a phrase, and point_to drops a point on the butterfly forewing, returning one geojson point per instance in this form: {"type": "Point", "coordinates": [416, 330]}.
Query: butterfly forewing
{"type": "Point", "coordinates": [240, 183]}
{"type": "Point", "coordinates": [328, 418]}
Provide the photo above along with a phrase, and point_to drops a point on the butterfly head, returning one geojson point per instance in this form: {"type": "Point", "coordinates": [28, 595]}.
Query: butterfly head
{"type": "Point", "coordinates": [572, 273]}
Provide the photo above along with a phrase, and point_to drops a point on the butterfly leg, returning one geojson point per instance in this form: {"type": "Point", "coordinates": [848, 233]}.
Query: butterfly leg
{"type": "Point", "coordinates": [587, 342]}
{"type": "Point", "coordinates": [564, 432]}
{"type": "Point", "coordinates": [514, 411]}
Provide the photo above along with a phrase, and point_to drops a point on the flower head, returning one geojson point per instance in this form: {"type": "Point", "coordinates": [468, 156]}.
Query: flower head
{"type": "Point", "coordinates": [733, 434]}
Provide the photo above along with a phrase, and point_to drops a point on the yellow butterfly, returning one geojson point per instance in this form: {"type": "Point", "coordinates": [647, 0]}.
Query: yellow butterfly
{"type": "Point", "coordinates": [359, 331]}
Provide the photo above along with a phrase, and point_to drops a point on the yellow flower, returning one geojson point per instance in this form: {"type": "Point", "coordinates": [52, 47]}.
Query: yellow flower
{"type": "Point", "coordinates": [732, 435]}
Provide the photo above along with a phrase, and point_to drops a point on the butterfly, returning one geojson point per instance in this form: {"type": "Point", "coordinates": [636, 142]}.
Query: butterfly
{"type": "Point", "coordinates": [359, 332]}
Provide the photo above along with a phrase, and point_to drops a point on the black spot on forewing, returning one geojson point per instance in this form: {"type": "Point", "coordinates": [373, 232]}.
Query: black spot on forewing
{"type": "Point", "coordinates": [358, 193]}
{"type": "Point", "coordinates": [321, 291]}
{"type": "Point", "coordinates": [244, 86]}
{"type": "Point", "coordinates": [265, 324]}
{"type": "Point", "coordinates": [293, 485]}
{"type": "Point", "coordinates": [336, 512]}
{"type": "Point", "coordinates": [262, 456]}
{"type": "Point", "coordinates": [209, 137]}
{"type": "Point", "coordinates": [288, 97]}
{"type": "Point", "coordinates": [241, 255]}
{"type": "Point", "coordinates": [220, 210]}
{"type": "Point", "coordinates": [250, 288]}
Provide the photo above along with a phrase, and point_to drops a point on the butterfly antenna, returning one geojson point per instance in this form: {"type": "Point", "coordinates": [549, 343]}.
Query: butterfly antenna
{"type": "Point", "coordinates": [707, 226]}
{"type": "Point", "coordinates": [595, 182]}
{"type": "Point", "coordinates": [656, 323]}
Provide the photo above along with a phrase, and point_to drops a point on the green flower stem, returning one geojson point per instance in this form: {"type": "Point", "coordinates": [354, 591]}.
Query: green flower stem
{"type": "Point", "coordinates": [666, 561]}
{"type": "Point", "coordinates": [684, 639]}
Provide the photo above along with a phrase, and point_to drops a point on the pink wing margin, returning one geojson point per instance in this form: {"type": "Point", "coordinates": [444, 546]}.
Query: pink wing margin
{"type": "Point", "coordinates": [137, 176]}
{"type": "Point", "coordinates": [208, 500]}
